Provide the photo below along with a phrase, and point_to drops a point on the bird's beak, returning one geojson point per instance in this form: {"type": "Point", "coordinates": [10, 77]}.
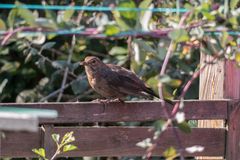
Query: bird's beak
{"type": "Point", "coordinates": [82, 63]}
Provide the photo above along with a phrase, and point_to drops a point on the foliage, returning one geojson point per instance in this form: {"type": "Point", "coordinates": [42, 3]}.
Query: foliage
{"type": "Point", "coordinates": [32, 66]}
{"type": "Point", "coordinates": [61, 146]}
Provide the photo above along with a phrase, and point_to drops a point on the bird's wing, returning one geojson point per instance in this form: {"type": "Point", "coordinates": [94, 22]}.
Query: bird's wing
{"type": "Point", "coordinates": [126, 81]}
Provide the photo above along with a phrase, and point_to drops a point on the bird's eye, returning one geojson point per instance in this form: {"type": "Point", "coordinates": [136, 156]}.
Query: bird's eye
{"type": "Point", "coordinates": [93, 61]}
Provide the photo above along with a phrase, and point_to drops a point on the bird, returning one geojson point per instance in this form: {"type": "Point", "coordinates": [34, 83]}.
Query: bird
{"type": "Point", "coordinates": [113, 81]}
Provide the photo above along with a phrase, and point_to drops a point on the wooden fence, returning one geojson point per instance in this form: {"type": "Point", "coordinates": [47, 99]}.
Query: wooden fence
{"type": "Point", "coordinates": [121, 141]}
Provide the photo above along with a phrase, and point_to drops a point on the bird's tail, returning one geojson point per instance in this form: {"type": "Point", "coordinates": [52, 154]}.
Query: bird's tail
{"type": "Point", "coordinates": [152, 93]}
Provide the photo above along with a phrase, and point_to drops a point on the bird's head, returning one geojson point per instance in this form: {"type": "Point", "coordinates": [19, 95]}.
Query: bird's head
{"type": "Point", "coordinates": [92, 63]}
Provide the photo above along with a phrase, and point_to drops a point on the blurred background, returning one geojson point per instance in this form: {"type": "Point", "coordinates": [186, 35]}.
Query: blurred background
{"type": "Point", "coordinates": [44, 66]}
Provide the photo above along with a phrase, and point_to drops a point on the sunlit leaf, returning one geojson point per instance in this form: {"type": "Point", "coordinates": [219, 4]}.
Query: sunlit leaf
{"type": "Point", "coordinates": [69, 147]}
{"type": "Point", "coordinates": [179, 35]}
{"type": "Point", "coordinates": [184, 127]}
{"type": "Point", "coordinates": [233, 4]}
{"type": "Point", "coordinates": [128, 14]}
{"type": "Point", "coordinates": [26, 14]}
{"type": "Point", "coordinates": [170, 153]}
{"type": "Point", "coordinates": [111, 30]}
{"type": "Point", "coordinates": [56, 137]}
{"type": "Point", "coordinates": [120, 22]}
{"type": "Point", "coordinates": [68, 14]}
{"type": "Point", "coordinates": [118, 50]}
{"type": "Point", "coordinates": [68, 138]}
{"type": "Point", "coordinates": [237, 58]}
{"type": "Point", "coordinates": [40, 152]}
{"type": "Point", "coordinates": [175, 83]}
{"type": "Point", "coordinates": [2, 25]}
{"type": "Point", "coordinates": [11, 17]}
{"type": "Point", "coordinates": [165, 79]}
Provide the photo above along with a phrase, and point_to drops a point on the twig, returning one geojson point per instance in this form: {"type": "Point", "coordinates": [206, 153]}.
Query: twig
{"type": "Point", "coordinates": [94, 33]}
{"type": "Point", "coordinates": [80, 14]}
{"type": "Point", "coordinates": [67, 68]}
{"type": "Point", "coordinates": [188, 84]}
{"type": "Point", "coordinates": [160, 90]}
{"type": "Point", "coordinates": [59, 90]}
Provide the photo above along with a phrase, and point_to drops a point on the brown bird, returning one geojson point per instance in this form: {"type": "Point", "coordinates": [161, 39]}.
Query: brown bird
{"type": "Point", "coordinates": [114, 82]}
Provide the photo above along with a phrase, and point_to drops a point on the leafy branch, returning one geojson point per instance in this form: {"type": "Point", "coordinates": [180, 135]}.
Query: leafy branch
{"type": "Point", "coordinates": [63, 146]}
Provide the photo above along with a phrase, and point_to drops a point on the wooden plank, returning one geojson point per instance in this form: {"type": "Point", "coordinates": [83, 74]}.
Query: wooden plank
{"type": "Point", "coordinates": [114, 141]}
{"type": "Point", "coordinates": [233, 137]}
{"type": "Point", "coordinates": [19, 144]}
{"type": "Point", "coordinates": [130, 111]}
{"type": "Point", "coordinates": [232, 90]}
{"type": "Point", "coordinates": [211, 87]}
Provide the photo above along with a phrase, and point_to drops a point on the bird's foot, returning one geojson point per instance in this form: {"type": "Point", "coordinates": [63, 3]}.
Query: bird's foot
{"type": "Point", "coordinates": [106, 101]}
{"type": "Point", "coordinates": [117, 100]}
{"type": "Point", "coordinates": [103, 101]}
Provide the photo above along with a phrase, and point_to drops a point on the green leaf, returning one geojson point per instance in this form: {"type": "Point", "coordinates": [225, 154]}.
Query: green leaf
{"type": "Point", "coordinates": [170, 153]}
{"type": "Point", "coordinates": [69, 147]}
{"type": "Point", "coordinates": [179, 35]}
{"type": "Point", "coordinates": [26, 14]}
{"type": "Point", "coordinates": [159, 125]}
{"type": "Point", "coordinates": [184, 127]}
{"type": "Point", "coordinates": [2, 25]}
{"type": "Point", "coordinates": [120, 22]}
{"type": "Point", "coordinates": [144, 4]}
{"type": "Point", "coordinates": [68, 14]}
{"type": "Point", "coordinates": [165, 79]}
{"type": "Point", "coordinates": [233, 4]}
{"type": "Point", "coordinates": [209, 16]}
{"type": "Point", "coordinates": [56, 137]}
{"type": "Point", "coordinates": [48, 45]}
{"type": "Point", "coordinates": [40, 152]}
{"type": "Point", "coordinates": [118, 50]}
{"type": "Point", "coordinates": [143, 45]}
{"type": "Point", "coordinates": [11, 17]}
{"type": "Point", "coordinates": [111, 30]}
{"type": "Point", "coordinates": [68, 138]}
{"type": "Point", "coordinates": [128, 14]}
{"type": "Point", "coordinates": [175, 83]}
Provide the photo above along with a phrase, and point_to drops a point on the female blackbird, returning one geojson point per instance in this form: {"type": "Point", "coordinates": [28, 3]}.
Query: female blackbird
{"type": "Point", "coordinates": [112, 81]}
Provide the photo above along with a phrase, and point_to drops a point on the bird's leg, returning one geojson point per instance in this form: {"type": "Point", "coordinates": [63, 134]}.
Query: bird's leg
{"type": "Point", "coordinates": [118, 100]}
{"type": "Point", "coordinates": [104, 102]}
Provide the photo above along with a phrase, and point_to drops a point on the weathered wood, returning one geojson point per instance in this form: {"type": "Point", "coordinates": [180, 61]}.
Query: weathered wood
{"type": "Point", "coordinates": [232, 90]}
{"type": "Point", "coordinates": [114, 141]}
{"type": "Point", "coordinates": [130, 111]}
{"type": "Point", "coordinates": [233, 138]}
{"type": "Point", "coordinates": [19, 144]}
{"type": "Point", "coordinates": [210, 88]}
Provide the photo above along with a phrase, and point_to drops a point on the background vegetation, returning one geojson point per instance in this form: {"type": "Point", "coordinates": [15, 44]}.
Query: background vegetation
{"type": "Point", "coordinates": [44, 66]}
{"type": "Point", "coordinates": [33, 65]}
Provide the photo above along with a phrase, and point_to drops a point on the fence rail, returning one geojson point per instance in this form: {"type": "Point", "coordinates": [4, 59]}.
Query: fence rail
{"type": "Point", "coordinates": [119, 140]}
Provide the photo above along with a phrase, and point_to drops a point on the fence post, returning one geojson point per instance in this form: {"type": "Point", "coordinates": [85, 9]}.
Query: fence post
{"type": "Point", "coordinates": [232, 91]}
{"type": "Point", "coordinates": [211, 87]}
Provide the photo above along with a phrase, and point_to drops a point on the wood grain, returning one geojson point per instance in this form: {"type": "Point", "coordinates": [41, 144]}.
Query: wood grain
{"type": "Point", "coordinates": [211, 87]}
{"type": "Point", "coordinates": [114, 141]}
{"type": "Point", "coordinates": [130, 111]}
{"type": "Point", "coordinates": [232, 90]}
{"type": "Point", "coordinates": [19, 144]}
